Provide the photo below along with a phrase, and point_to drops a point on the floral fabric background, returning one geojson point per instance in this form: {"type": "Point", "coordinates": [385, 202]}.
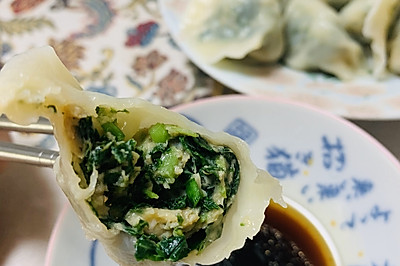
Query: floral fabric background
{"type": "Point", "coordinates": [120, 48]}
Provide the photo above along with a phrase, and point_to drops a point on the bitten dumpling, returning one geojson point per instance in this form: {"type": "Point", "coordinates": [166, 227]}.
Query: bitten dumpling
{"type": "Point", "coordinates": [317, 41]}
{"type": "Point", "coordinates": [152, 186]}
{"type": "Point", "coordinates": [233, 29]}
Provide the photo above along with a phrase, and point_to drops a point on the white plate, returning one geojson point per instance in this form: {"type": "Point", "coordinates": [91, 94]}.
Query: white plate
{"type": "Point", "coordinates": [361, 99]}
{"type": "Point", "coordinates": [338, 173]}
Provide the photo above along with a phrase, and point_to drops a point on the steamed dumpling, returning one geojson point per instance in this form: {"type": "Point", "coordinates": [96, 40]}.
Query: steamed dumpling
{"type": "Point", "coordinates": [371, 22]}
{"type": "Point", "coordinates": [233, 29]}
{"type": "Point", "coordinates": [353, 15]}
{"type": "Point", "coordinates": [317, 41]}
{"type": "Point", "coordinates": [376, 28]}
{"type": "Point", "coordinates": [151, 185]}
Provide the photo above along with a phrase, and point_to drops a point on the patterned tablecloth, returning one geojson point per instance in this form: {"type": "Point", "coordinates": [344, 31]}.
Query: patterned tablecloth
{"type": "Point", "coordinates": [120, 48]}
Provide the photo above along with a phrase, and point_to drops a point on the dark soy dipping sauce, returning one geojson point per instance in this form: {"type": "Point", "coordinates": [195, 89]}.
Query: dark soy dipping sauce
{"type": "Point", "coordinates": [285, 238]}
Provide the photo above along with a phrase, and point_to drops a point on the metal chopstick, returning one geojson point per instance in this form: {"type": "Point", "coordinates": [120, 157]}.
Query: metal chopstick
{"type": "Point", "coordinates": [26, 154]}
{"type": "Point", "coordinates": [43, 126]}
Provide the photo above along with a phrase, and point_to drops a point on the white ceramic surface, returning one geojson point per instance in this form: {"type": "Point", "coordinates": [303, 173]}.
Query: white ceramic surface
{"type": "Point", "coordinates": [342, 176]}
{"type": "Point", "coordinates": [366, 98]}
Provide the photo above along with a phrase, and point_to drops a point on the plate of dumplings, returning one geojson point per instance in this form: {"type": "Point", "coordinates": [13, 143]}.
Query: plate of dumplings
{"type": "Point", "coordinates": [339, 55]}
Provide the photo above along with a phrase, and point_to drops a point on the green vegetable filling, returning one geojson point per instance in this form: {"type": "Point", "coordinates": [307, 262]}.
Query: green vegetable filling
{"type": "Point", "coordinates": [167, 186]}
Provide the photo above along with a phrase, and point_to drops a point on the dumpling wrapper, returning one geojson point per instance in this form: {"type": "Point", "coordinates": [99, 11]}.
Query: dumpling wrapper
{"type": "Point", "coordinates": [233, 29]}
{"type": "Point", "coordinates": [36, 83]}
{"type": "Point", "coordinates": [316, 40]}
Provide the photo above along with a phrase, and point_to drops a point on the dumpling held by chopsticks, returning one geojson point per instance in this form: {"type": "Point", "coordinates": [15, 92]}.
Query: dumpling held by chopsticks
{"type": "Point", "coordinates": [152, 186]}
